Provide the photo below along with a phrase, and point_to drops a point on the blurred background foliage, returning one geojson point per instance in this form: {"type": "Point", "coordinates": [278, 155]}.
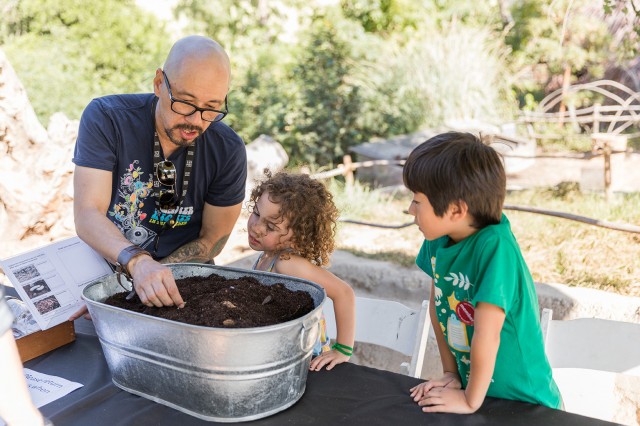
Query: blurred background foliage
{"type": "Point", "coordinates": [66, 52]}
{"type": "Point", "coordinates": [320, 76]}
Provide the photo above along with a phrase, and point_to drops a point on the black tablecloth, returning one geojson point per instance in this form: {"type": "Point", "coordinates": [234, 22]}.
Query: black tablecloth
{"type": "Point", "coordinates": [347, 395]}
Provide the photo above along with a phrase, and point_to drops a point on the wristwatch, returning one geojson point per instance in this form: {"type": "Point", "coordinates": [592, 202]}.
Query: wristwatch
{"type": "Point", "coordinates": [125, 257]}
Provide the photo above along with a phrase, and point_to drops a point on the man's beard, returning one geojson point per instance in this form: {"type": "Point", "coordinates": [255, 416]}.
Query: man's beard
{"type": "Point", "coordinates": [176, 131]}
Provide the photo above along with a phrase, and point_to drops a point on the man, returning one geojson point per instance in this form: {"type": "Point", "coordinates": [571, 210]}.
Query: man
{"type": "Point", "coordinates": [159, 178]}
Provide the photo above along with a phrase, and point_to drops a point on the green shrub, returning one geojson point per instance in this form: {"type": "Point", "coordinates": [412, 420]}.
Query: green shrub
{"type": "Point", "coordinates": [459, 73]}
{"type": "Point", "coordinates": [67, 52]}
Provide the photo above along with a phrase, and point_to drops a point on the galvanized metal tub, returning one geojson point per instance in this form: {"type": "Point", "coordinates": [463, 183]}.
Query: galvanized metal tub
{"type": "Point", "coordinates": [216, 374]}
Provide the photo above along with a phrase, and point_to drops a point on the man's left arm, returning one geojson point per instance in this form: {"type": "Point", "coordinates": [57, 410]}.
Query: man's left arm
{"type": "Point", "coordinates": [217, 224]}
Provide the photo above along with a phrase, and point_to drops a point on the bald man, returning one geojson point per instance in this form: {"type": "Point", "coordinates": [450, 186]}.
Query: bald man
{"type": "Point", "coordinates": [159, 178]}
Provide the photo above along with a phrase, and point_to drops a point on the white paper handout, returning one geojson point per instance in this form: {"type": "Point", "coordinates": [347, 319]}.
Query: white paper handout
{"type": "Point", "coordinates": [45, 388]}
{"type": "Point", "coordinates": [50, 279]}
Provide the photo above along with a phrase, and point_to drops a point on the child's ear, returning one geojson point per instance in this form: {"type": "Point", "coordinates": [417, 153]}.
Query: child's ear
{"type": "Point", "coordinates": [458, 210]}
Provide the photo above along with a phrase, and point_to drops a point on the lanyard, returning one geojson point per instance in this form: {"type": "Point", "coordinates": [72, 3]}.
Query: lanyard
{"type": "Point", "coordinates": [186, 174]}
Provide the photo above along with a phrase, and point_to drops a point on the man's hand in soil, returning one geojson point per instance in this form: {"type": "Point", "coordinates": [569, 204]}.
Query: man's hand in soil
{"type": "Point", "coordinates": [329, 359]}
{"type": "Point", "coordinates": [154, 283]}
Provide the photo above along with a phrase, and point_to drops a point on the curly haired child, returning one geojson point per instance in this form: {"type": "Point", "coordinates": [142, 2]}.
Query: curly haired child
{"type": "Point", "coordinates": [484, 307]}
{"type": "Point", "coordinates": [293, 220]}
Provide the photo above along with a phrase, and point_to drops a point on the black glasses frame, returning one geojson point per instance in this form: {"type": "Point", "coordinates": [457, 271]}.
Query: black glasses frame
{"type": "Point", "coordinates": [221, 114]}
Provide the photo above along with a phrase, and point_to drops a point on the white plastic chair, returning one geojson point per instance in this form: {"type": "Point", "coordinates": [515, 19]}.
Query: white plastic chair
{"type": "Point", "coordinates": [389, 324]}
{"type": "Point", "coordinates": [592, 343]}
{"type": "Point", "coordinates": [589, 358]}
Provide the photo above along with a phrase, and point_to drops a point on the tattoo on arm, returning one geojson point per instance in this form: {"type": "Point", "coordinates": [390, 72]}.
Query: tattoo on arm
{"type": "Point", "coordinates": [196, 251]}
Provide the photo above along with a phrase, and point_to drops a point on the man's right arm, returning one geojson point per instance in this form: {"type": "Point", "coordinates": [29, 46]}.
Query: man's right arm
{"type": "Point", "coordinates": [92, 194]}
{"type": "Point", "coordinates": [155, 284]}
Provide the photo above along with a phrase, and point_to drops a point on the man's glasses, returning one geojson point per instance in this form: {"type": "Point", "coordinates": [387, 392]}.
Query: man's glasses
{"type": "Point", "coordinates": [185, 108]}
{"type": "Point", "coordinates": [166, 175]}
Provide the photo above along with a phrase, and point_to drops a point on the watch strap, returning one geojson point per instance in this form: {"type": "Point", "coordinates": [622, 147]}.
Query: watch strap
{"type": "Point", "coordinates": [126, 255]}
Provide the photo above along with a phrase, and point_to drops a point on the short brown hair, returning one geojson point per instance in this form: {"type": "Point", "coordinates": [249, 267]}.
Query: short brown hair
{"type": "Point", "coordinates": [308, 206]}
{"type": "Point", "coordinates": [456, 166]}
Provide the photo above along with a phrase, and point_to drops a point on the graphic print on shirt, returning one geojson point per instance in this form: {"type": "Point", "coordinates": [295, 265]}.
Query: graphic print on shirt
{"type": "Point", "coordinates": [181, 215]}
{"type": "Point", "coordinates": [455, 309]}
{"type": "Point", "coordinates": [128, 214]}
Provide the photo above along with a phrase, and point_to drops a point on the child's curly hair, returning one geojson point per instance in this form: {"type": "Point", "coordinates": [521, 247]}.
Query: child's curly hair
{"type": "Point", "coordinates": [308, 206]}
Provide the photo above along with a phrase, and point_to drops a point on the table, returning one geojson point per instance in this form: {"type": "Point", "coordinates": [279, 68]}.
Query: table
{"type": "Point", "coordinates": [348, 395]}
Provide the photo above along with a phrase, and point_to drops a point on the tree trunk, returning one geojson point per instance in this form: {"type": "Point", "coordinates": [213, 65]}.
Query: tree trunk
{"type": "Point", "coordinates": [566, 82]}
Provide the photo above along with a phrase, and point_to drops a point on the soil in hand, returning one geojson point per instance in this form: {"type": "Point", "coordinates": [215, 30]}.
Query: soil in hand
{"type": "Point", "coordinates": [215, 301]}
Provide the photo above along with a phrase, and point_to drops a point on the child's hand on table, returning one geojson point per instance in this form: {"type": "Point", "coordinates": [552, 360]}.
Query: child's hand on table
{"type": "Point", "coordinates": [329, 359]}
{"type": "Point", "coordinates": [446, 400]}
{"type": "Point", "coordinates": [448, 380]}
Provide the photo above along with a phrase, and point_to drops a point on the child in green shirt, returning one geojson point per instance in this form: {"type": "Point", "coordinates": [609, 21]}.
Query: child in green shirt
{"type": "Point", "coordinates": [484, 307]}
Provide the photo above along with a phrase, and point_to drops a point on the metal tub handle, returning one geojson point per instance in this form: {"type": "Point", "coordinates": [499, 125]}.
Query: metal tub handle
{"type": "Point", "coordinates": [307, 339]}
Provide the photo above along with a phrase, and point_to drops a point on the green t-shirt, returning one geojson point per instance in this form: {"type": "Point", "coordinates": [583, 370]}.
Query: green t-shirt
{"type": "Point", "coordinates": [488, 267]}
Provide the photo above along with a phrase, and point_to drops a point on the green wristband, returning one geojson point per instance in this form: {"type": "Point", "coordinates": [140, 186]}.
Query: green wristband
{"type": "Point", "coordinates": [343, 349]}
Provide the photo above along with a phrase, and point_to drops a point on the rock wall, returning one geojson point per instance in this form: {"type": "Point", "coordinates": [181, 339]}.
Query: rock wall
{"type": "Point", "coordinates": [35, 170]}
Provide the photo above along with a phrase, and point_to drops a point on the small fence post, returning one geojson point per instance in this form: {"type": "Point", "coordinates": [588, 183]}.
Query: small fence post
{"type": "Point", "coordinates": [348, 170]}
{"type": "Point", "coordinates": [607, 170]}
{"type": "Point", "coordinates": [602, 143]}
{"type": "Point", "coordinates": [596, 119]}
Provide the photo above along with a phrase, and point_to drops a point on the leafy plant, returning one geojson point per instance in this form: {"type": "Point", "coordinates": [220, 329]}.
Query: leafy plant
{"type": "Point", "coordinates": [68, 51]}
{"type": "Point", "coordinates": [566, 38]}
{"type": "Point", "coordinates": [326, 106]}
{"type": "Point", "coordinates": [458, 73]}
{"type": "Point", "coordinates": [383, 17]}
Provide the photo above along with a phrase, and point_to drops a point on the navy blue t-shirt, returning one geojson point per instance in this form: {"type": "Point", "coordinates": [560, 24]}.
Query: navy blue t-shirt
{"type": "Point", "coordinates": [116, 134]}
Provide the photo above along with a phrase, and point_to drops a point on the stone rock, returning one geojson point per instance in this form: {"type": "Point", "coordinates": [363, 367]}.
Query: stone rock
{"type": "Point", "coordinates": [18, 121]}
{"type": "Point", "coordinates": [263, 153]}
{"type": "Point", "coordinates": [36, 172]}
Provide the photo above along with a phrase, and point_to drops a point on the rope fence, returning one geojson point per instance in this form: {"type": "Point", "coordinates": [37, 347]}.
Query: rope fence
{"type": "Point", "coordinates": [590, 221]}
{"type": "Point", "coordinates": [348, 168]}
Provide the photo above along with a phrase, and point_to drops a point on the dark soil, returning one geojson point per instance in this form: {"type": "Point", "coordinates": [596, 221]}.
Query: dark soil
{"type": "Point", "coordinates": [215, 301]}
